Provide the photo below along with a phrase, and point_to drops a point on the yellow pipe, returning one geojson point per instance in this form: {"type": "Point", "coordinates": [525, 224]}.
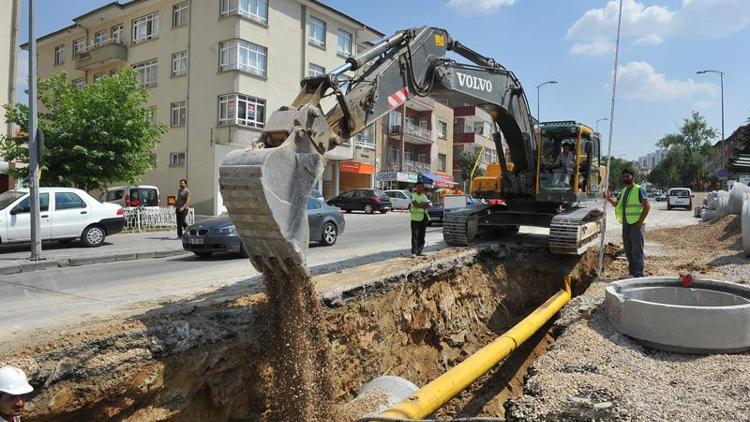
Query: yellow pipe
{"type": "Point", "coordinates": [434, 395]}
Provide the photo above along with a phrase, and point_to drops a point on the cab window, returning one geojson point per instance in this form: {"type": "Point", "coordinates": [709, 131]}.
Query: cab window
{"type": "Point", "coordinates": [25, 205]}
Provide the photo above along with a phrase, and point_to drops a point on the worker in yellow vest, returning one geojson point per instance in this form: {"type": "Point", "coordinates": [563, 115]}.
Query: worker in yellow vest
{"type": "Point", "coordinates": [631, 210]}
{"type": "Point", "coordinates": [419, 218]}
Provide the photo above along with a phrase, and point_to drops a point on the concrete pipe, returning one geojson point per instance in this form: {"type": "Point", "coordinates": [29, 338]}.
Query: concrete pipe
{"type": "Point", "coordinates": [708, 214]}
{"type": "Point", "coordinates": [685, 316]}
{"type": "Point", "coordinates": [722, 204]}
{"type": "Point", "coordinates": [745, 220]}
{"type": "Point", "coordinates": [380, 394]}
{"type": "Point", "coordinates": [736, 197]}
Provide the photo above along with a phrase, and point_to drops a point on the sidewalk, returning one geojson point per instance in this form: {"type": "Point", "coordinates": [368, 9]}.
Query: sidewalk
{"type": "Point", "coordinates": [119, 247]}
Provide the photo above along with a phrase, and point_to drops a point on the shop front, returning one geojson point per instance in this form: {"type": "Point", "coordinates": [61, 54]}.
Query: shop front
{"type": "Point", "coordinates": [355, 175]}
{"type": "Point", "coordinates": [436, 180]}
{"type": "Point", "coordinates": [391, 179]}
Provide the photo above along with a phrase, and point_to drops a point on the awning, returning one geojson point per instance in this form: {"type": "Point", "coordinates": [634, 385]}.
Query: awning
{"type": "Point", "coordinates": [436, 180]}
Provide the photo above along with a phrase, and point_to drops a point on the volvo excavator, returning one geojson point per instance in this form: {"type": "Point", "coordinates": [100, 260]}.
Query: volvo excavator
{"type": "Point", "coordinates": [265, 187]}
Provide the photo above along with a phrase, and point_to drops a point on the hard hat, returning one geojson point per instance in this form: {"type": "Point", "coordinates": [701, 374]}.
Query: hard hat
{"type": "Point", "coordinates": [13, 381]}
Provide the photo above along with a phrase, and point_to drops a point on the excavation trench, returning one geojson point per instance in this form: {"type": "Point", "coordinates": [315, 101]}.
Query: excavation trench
{"type": "Point", "coordinates": [209, 359]}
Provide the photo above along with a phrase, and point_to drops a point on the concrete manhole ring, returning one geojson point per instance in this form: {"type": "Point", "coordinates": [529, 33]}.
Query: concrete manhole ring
{"type": "Point", "coordinates": [708, 316]}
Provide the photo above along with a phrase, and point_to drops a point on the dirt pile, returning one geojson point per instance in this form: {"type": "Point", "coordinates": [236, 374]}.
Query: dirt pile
{"type": "Point", "coordinates": [201, 361]}
{"type": "Point", "coordinates": [714, 234]}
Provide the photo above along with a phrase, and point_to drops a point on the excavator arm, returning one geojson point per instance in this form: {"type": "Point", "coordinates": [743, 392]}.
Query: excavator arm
{"type": "Point", "coordinates": [266, 186]}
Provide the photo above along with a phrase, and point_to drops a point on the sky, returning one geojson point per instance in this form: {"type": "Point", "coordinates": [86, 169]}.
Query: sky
{"type": "Point", "coordinates": [664, 43]}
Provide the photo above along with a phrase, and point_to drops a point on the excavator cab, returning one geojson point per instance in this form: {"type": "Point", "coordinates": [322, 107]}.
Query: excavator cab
{"type": "Point", "coordinates": [568, 162]}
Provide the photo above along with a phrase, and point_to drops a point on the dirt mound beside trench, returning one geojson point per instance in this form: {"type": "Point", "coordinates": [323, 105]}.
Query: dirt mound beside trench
{"type": "Point", "coordinates": [194, 361]}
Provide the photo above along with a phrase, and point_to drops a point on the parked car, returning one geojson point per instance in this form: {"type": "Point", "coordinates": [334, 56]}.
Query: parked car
{"type": "Point", "coordinates": [661, 197]}
{"type": "Point", "coordinates": [317, 195]}
{"type": "Point", "coordinates": [219, 234]}
{"type": "Point", "coordinates": [400, 199]}
{"type": "Point", "coordinates": [367, 200]}
{"type": "Point", "coordinates": [66, 214]}
{"type": "Point", "coordinates": [680, 197]}
{"type": "Point", "coordinates": [436, 212]}
{"type": "Point", "coordinates": [132, 196]}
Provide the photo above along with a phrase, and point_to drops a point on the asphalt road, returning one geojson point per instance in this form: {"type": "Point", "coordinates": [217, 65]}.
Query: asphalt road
{"type": "Point", "coordinates": [61, 296]}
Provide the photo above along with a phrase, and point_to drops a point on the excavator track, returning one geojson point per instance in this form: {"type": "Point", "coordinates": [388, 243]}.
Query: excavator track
{"type": "Point", "coordinates": [460, 227]}
{"type": "Point", "coordinates": [574, 231]}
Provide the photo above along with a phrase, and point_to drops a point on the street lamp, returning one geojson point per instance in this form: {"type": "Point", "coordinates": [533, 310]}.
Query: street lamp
{"type": "Point", "coordinates": [600, 120]}
{"type": "Point", "coordinates": [723, 145]}
{"type": "Point", "coordinates": [538, 120]}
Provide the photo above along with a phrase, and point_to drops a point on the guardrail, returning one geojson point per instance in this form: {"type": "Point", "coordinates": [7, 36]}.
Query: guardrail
{"type": "Point", "coordinates": [150, 218]}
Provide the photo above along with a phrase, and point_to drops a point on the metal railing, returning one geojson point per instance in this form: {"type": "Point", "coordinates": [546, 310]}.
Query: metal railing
{"type": "Point", "coordinates": [418, 131]}
{"type": "Point", "coordinates": [151, 218]}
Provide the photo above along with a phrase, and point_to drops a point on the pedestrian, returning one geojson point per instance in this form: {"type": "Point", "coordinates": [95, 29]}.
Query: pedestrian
{"type": "Point", "coordinates": [419, 218]}
{"type": "Point", "coordinates": [13, 387]}
{"type": "Point", "coordinates": [181, 206]}
{"type": "Point", "coordinates": [631, 210]}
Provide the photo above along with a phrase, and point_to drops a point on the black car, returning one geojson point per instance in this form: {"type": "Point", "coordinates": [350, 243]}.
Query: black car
{"type": "Point", "coordinates": [219, 234]}
{"type": "Point", "coordinates": [436, 212]}
{"type": "Point", "coordinates": [367, 200]}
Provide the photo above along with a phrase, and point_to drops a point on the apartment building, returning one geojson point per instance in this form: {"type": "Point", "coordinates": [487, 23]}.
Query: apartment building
{"type": "Point", "coordinates": [472, 132]}
{"type": "Point", "coordinates": [215, 70]}
{"type": "Point", "coordinates": [416, 143]}
{"type": "Point", "coordinates": [9, 27]}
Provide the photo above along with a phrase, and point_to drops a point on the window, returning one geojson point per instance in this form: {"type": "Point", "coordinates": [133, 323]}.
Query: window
{"type": "Point", "coordinates": [176, 159]}
{"type": "Point", "coordinates": [59, 55]}
{"type": "Point", "coordinates": [344, 44]}
{"type": "Point", "coordinates": [442, 129]}
{"type": "Point", "coordinates": [67, 201]}
{"type": "Point", "coordinates": [235, 109]}
{"type": "Point", "coordinates": [178, 114]}
{"type": "Point", "coordinates": [315, 70]}
{"type": "Point", "coordinates": [180, 63]}
{"type": "Point", "coordinates": [25, 205]}
{"type": "Point", "coordinates": [409, 155]}
{"type": "Point", "coordinates": [117, 32]}
{"type": "Point", "coordinates": [394, 158]}
{"type": "Point", "coordinates": [99, 76]}
{"type": "Point", "coordinates": [100, 38]}
{"type": "Point", "coordinates": [146, 73]}
{"type": "Point", "coordinates": [317, 32]}
{"type": "Point", "coordinates": [256, 10]}
{"type": "Point", "coordinates": [180, 14]}
{"type": "Point", "coordinates": [146, 28]}
{"type": "Point", "coordinates": [313, 204]}
{"type": "Point", "coordinates": [394, 122]}
{"type": "Point", "coordinates": [79, 46]}
{"type": "Point", "coordinates": [483, 128]}
{"type": "Point", "coordinates": [115, 195]}
{"type": "Point", "coordinates": [79, 83]}
{"type": "Point", "coordinates": [442, 162]}
{"type": "Point", "coordinates": [151, 114]}
{"type": "Point", "coordinates": [244, 56]}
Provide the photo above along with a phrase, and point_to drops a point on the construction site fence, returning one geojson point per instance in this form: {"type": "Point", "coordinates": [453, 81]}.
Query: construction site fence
{"type": "Point", "coordinates": [152, 218]}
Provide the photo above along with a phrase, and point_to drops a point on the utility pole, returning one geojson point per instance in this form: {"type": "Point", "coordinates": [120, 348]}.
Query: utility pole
{"type": "Point", "coordinates": [36, 238]}
{"type": "Point", "coordinates": [723, 173]}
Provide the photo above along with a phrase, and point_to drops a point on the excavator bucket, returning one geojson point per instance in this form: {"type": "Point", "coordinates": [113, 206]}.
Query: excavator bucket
{"type": "Point", "coordinates": [265, 191]}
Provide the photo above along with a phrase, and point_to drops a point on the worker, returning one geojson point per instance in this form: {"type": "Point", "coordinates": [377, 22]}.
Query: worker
{"type": "Point", "coordinates": [419, 218]}
{"type": "Point", "coordinates": [631, 210]}
{"type": "Point", "coordinates": [13, 387]}
{"type": "Point", "coordinates": [564, 166]}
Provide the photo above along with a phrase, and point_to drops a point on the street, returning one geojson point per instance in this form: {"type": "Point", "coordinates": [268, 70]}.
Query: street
{"type": "Point", "coordinates": [60, 296]}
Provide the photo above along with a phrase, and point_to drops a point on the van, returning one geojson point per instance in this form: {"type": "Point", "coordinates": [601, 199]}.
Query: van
{"type": "Point", "coordinates": [132, 196]}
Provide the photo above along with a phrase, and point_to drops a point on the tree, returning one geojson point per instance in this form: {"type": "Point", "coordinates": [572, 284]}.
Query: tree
{"type": "Point", "coordinates": [97, 135]}
{"type": "Point", "coordinates": [467, 160]}
{"type": "Point", "coordinates": [688, 154]}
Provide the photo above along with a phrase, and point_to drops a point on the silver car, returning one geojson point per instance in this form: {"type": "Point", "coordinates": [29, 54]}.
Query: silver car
{"type": "Point", "coordinates": [400, 199]}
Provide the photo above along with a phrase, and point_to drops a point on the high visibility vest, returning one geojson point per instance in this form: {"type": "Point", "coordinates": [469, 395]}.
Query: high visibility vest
{"type": "Point", "coordinates": [633, 208]}
{"type": "Point", "coordinates": [418, 214]}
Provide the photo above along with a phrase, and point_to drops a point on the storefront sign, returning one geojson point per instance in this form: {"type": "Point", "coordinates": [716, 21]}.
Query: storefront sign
{"type": "Point", "coordinates": [355, 167]}
{"type": "Point", "coordinates": [405, 176]}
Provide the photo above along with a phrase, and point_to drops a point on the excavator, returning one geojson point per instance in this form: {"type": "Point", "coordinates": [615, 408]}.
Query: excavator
{"type": "Point", "coordinates": [265, 187]}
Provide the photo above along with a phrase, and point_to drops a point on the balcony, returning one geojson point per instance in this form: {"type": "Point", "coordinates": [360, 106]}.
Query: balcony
{"type": "Point", "coordinates": [107, 53]}
{"type": "Point", "coordinates": [414, 133]}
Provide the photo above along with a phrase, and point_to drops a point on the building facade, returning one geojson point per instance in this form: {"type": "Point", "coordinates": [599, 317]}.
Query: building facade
{"type": "Point", "coordinates": [9, 28]}
{"type": "Point", "coordinates": [472, 132]}
{"type": "Point", "coordinates": [415, 143]}
{"type": "Point", "coordinates": [215, 70]}
{"type": "Point", "coordinates": [652, 159]}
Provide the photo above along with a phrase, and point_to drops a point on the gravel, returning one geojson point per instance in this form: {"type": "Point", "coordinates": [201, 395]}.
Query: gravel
{"type": "Point", "coordinates": [594, 373]}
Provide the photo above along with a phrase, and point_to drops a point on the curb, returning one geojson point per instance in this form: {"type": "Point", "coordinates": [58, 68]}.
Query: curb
{"type": "Point", "coordinates": [26, 266]}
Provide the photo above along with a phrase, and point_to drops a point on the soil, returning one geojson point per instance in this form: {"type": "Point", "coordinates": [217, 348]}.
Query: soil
{"type": "Point", "coordinates": [202, 360]}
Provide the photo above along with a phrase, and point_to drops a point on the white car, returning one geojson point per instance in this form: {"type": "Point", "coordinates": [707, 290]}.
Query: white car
{"type": "Point", "coordinates": [400, 199]}
{"type": "Point", "coordinates": [680, 197]}
{"type": "Point", "coordinates": [66, 214]}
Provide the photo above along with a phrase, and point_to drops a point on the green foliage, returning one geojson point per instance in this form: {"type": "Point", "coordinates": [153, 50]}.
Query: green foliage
{"type": "Point", "coordinates": [615, 172]}
{"type": "Point", "coordinates": [94, 136]}
{"type": "Point", "coordinates": [467, 160]}
{"type": "Point", "coordinates": [688, 154]}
